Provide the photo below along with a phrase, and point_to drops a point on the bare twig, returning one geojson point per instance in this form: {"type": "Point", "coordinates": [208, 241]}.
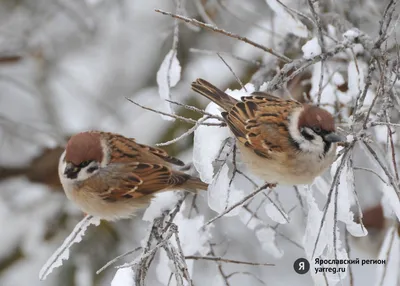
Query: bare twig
{"type": "Point", "coordinates": [213, 258]}
{"type": "Point", "coordinates": [231, 70]}
{"type": "Point", "coordinates": [239, 203]}
{"type": "Point", "coordinates": [229, 34]}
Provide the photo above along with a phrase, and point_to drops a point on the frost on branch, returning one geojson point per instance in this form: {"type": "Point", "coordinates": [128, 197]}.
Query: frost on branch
{"type": "Point", "coordinates": [168, 76]}
{"type": "Point", "coordinates": [311, 49]}
{"type": "Point", "coordinates": [286, 19]}
{"type": "Point", "coordinates": [323, 243]}
{"type": "Point", "coordinates": [62, 253]}
{"type": "Point", "coordinates": [346, 198]}
{"type": "Point", "coordinates": [193, 240]}
{"type": "Point", "coordinates": [222, 192]}
{"type": "Point", "coordinates": [204, 153]}
{"type": "Point", "coordinates": [264, 233]}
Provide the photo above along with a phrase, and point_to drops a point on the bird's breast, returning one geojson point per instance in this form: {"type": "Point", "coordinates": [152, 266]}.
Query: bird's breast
{"type": "Point", "coordinates": [284, 168]}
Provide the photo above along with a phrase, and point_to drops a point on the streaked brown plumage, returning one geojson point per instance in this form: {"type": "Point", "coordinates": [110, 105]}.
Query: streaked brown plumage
{"type": "Point", "coordinates": [272, 132]}
{"type": "Point", "coordinates": [126, 174]}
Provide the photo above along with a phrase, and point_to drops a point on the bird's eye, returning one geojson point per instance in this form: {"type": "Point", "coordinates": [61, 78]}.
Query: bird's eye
{"type": "Point", "coordinates": [84, 164]}
{"type": "Point", "coordinates": [317, 129]}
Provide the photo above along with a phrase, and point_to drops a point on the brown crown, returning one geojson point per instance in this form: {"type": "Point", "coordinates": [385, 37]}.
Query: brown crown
{"type": "Point", "coordinates": [83, 147]}
{"type": "Point", "coordinates": [313, 116]}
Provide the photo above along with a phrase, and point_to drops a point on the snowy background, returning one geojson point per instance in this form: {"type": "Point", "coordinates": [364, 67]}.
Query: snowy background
{"type": "Point", "coordinates": [68, 66]}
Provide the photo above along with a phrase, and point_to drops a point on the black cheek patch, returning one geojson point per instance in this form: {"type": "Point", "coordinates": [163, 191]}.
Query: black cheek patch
{"type": "Point", "coordinates": [92, 169]}
{"type": "Point", "coordinates": [307, 136]}
{"type": "Point", "coordinates": [327, 147]}
{"type": "Point", "coordinates": [72, 175]}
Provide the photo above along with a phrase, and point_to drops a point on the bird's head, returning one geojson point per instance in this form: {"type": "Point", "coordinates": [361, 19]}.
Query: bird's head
{"type": "Point", "coordinates": [82, 157]}
{"type": "Point", "coordinates": [313, 130]}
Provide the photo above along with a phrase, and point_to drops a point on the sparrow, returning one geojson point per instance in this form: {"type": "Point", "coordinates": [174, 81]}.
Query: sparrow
{"type": "Point", "coordinates": [281, 141]}
{"type": "Point", "coordinates": [111, 177]}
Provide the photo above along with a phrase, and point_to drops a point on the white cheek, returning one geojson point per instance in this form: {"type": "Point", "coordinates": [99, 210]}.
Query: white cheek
{"type": "Point", "coordinates": [315, 146]}
{"type": "Point", "coordinates": [84, 174]}
{"type": "Point", "coordinates": [66, 183]}
{"type": "Point", "coordinates": [61, 165]}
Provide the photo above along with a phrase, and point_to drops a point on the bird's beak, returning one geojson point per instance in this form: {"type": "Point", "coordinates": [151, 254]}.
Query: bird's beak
{"type": "Point", "coordinates": [333, 137]}
{"type": "Point", "coordinates": [70, 170]}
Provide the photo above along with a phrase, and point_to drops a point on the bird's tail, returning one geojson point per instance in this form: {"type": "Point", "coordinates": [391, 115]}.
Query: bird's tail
{"type": "Point", "coordinates": [194, 184]}
{"type": "Point", "coordinates": [214, 94]}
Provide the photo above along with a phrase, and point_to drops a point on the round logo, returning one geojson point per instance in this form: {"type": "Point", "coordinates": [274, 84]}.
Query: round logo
{"type": "Point", "coordinates": [301, 266]}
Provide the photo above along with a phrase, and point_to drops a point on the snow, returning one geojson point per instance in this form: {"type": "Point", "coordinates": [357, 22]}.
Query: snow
{"type": "Point", "coordinates": [311, 49]}
{"type": "Point", "coordinates": [390, 200]}
{"type": "Point", "coordinates": [193, 238]}
{"type": "Point", "coordinates": [124, 277]}
{"type": "Point", "coordinates": [160, 203]}
{"type": "Point", "coordinates": [324, 247]}
{"type": "Point", "coordinates": [276, 214]}
{"type": "Point", "coordinates": [221, 196]}
{"type": "Point", "coordinates": [352, 34]}
{"type": "Point", "coordinates": [287, 20]}
{"type": "Point", "coordinates": [345, 199]}
{"type": "Point", "coordinates": [168, 76]}
{"type": "Point", "coordinates": [387, 274]}
{"type": "Point", "coordinates": [265, 235]}
{"type": "Point", "coordinates": [356, 82]}
{"type": "Point", "coordinates": [62, 253]}
{"type": "Point", "coordinates": [192, 235]}
{"type": "Point", "coordinates": [205, 153]}
{"type": "Point", "coordinates": [338, 79]}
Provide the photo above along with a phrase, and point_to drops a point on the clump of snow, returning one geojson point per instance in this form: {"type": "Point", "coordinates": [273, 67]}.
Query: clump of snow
{"type": "Point", "coordinates": [311, 49]}
{"type": "Point", "coordinates": [345, 199]}
{"type": "Point", "coordinates": [289, 21]}
{"type": "Point", "coordinates": [62, 253]}
{"type": "Point", "coordinates": [160, 203]}
{"type": "Point", "coordinates": [265, 234]}
{"type": "Point", "coordinates": [314, 218]}
{"type": "Point", "coordinates": [390, 200]}
{"type": "Point", "coordinates": [192, 235]}
{"type": "Point", "coordinates": [352, 34]}
{"type": "Point", "coordinates": [238, 93]}
{"type": "Point", "coordinates": [205, 153]}
{"type": "Point", "coordinates": [338, 79]}
{"type": "Point", "coordinates": [221, 195]}
{"type": "Point", "coordinates": [319, 243]}
{"type": "Point", "coordinates": [356, 81]}
{"type": "Point", "coordinates": [168, 76]}
{"type": "Point", "coordinates": [124, 277]}
{"type": "Point", "coordinates": [276, 214]}
{"type": "Point", "coordinates": [193, 238]}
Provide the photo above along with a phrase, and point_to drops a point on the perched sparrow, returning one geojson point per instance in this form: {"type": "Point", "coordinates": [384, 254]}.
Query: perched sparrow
{"type": "Point", "coordinates": [110, 176]}
{"type": "Point", "coordinates": [282, 141]}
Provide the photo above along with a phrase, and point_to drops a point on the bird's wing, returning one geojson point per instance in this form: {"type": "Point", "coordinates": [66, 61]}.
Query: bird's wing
{"type": "Point", "coordinates": [136, 170]}
{"type": "Point", "coordinates": [128, 150]}
{"type": "Point", "coordinates": [162, 154]}
{"type": "Point", "coordinates": [135, 180]}
{"type": "Point", "coordinates": [260, 122]}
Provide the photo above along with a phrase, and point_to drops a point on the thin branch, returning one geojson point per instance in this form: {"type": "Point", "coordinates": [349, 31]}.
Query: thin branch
{"type": "Point", "coordinates": [212, 53]}
{"type": "Point", "coordinates": [229, 34]}
{"type": "Point", "coordinates": [239, 203]}
{"type": "Point", "coordinates": [117, 258]}
{"type": "Point", "coordinates": [231, 70]}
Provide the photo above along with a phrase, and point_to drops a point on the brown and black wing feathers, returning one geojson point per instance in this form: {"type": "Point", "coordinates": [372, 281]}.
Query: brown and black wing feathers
{"type": "Point", "coordinates": [261, 123]}
{"type": "Point", "coordinates": [145, 170]}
